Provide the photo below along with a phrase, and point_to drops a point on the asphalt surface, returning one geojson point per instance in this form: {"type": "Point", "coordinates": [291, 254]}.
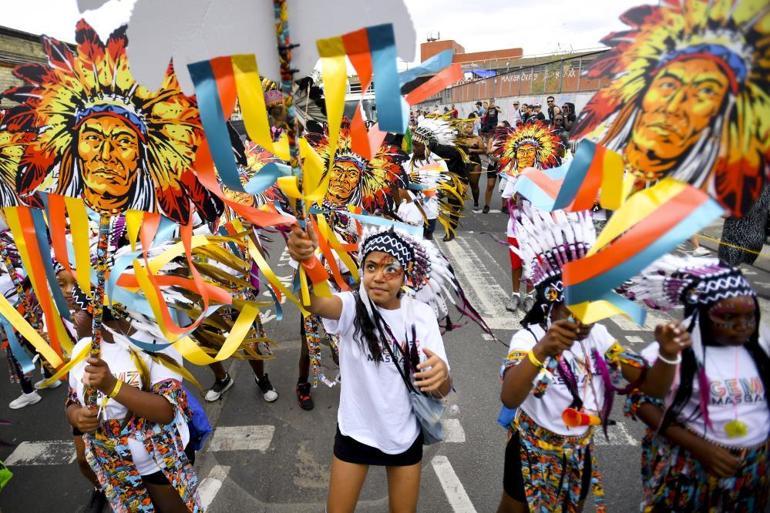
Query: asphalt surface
{"type": "Point", "coordinates": [275, 457]}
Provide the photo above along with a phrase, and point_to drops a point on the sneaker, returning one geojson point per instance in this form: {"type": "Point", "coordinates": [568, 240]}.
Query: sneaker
{"type": "Point", "coordinates": [529, 301]}
{"type": "Point", "coordinates": [55, 384]}
{"type": "Point", "coordinates": [25, 400]}
{"type": "Point", "coordinates": [515, 302]}
{"type": "Point", "coordinates": [303, 396]}
{"type": "Point", "coordinates": [96, 503]}
{"type": "Point", "coordinates": [267, 389]}
{"type": "Point", "coordinates": [700, 251]}
{"type": "Point", "coordinates": [485, 210]}
{"type": "Point", "coordinates": [504, 209]}
{"type": "Point", "coordinates": [219, 388]}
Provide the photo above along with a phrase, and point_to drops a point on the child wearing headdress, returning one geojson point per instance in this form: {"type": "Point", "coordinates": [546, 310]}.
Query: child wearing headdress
{"type": "Point", "coordinates": [561, 376]}
{"type": "Point", "coordinates": [706, 445]}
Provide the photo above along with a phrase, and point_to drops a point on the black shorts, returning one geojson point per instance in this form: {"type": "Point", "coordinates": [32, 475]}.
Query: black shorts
{"type": "Point", "coordinates": [352, 451]}
{"type": "Point", "coordinates": [513, 481]}
{"type": "Point", "coordinates": [492, 171]}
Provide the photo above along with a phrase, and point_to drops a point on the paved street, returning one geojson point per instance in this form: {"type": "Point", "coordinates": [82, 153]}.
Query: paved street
{"type": "Point", "coordinates": [275, 457]}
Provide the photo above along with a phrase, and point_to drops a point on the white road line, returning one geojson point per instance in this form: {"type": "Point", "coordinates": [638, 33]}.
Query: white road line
{"type": "Point", "coordinates": [241, 438]}
{"type": "Point", "coordinates": [618, 436]}
{"type": "Point", "coordinates": [634, 339]}
{"type": "Point", "coordinates": [453, 431]}
{"type": "Point", "coordinates": [487, 336]}
{"type": "Point", "coordinates": [483, 284]}
{"type": "Point", "coordinates": [49, 452]}
{"type": "Point", "coordinates": [453, 488]}
{"type": "Point", "coordinates": [653, 319]}
{"type": "Point", "coordinates": [209, 487]}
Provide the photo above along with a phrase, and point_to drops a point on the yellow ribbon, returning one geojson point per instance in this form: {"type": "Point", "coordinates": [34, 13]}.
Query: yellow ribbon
{"type": "Point", "coordinates": [78, 216]}
{"type": "Point", "coordinates": [21, 325]}
{"type": "Point", "coordinates": [334, 76]}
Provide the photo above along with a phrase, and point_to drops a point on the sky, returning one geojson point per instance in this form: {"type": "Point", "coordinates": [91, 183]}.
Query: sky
{"type": "Point", "coordinates": [542, 26]}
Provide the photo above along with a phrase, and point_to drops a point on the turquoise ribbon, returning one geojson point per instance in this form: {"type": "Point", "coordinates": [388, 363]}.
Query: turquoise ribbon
{"type": "Point", "coordinates": [387, 91]}
{"type": "Point", "coordinates": [431, 66]}
{"type": "Point", "coordinates": [21, 356]}
{"type": "Point", "coordinates": [213, 119]}
{"type": "Point", "coordinates": [575, 174]}
{"type": "Point", "coordinates": [44, 247]}
{"type": "Point", "coordinates": [528, 188]}
{"type": "Point", "coordinates": [266, 177]}
{"type": "Point", "coordinates": [599, 286]}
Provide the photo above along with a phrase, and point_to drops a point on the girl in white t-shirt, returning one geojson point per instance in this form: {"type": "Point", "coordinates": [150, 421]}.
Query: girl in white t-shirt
{"type": "Point", "coordinates": [706, 447]}
{"type": "Point", "coordinates": [558, 376]}
{"type": "Point", "coordinates": [135, 439]}
{"type": "Point", "coordinates": [376, 423]}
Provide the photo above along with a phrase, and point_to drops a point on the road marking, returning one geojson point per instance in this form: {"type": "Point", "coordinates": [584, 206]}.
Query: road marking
{"type": "Point", "coordinates": [453, 431]}
{"type": "Point", "coordinates": [487, 336]}
{"type": "Point", "coordinates": [618, 436]}
{"type": "Point", "coordinates": [209, 487]}
{"type": "Point", "coordinates": [453, 488]}
{"type": "Point", "coordinates": [49, 452]}
{"type": "Point", "coordinates": [490, 295]}
{"type": "Point", "coordinates": [241, 438]}
{"type": "Point", "coordinates": [634, 339]}
{"type": "Point", "coordinates": [748, 272]}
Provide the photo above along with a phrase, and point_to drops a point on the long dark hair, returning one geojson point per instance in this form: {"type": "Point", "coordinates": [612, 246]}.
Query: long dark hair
{"type": "Point", "coordinates": [689, 367]}
{"type": "Point", "coordinates": [365, 331]}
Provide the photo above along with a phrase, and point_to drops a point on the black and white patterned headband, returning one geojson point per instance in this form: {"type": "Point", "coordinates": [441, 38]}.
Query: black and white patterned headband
{"type": "Point", "coordinates": [409, 253]}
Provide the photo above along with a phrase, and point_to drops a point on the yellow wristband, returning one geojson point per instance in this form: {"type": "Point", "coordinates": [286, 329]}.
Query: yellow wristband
{"type": "Point", "coordinates": [115, 389]}
{"type": "Point", "coordinates": [533, 359]}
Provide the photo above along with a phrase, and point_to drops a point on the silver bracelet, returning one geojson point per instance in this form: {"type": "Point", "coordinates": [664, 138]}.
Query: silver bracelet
{"type": "Point", "coordinates": [677, 361]}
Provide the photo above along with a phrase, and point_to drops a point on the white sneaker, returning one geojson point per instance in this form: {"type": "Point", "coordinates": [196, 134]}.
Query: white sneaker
{"type": "Point", "coordinates": [529, 301]}
{"type": "Point", "coordinates": [25, 400]}
{"type": "Point", "coordinates": [515, 302]}
{"type": "Point", "coordinates": [700, 251]}
{"type": "Point", "coordinates": [55, 384]}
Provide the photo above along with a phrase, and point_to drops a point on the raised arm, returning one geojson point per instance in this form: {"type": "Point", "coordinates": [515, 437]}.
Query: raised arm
{"type": "Point", "coordinates": [302, 246]}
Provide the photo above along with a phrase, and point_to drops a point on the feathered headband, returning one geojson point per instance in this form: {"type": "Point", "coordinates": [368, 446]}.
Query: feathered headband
{"type": "Point", "coordinates": [408, 251]}
{"type": "Point", "coordinates": [434, 131]}
{"type": "Point", "coordinates": [674, 281]}
{"type": "Point", "coordinates": [548, 240]}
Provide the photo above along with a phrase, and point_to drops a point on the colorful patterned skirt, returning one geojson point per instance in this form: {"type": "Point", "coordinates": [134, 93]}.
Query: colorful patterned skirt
{"type": "Point", "coordinates": [675, 481]}
{"type": "Point", "coordinates": [552, 468]}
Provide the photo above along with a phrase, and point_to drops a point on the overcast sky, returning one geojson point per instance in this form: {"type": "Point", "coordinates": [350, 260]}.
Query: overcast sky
{"type": "Point", "coordinates": [542, 26]}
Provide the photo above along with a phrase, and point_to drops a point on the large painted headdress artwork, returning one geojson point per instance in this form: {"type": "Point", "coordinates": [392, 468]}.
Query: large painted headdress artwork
{"type": "Point", "coordinates": [102, 136]}
{"type": "Point", "coordinates": [528, 145]}
{"type": "Point", "coordinates": [689, 96]}
{"type": "Point", "coordinates": [355, 181]}
{"type": "Point", "coordinates": [12, 144]}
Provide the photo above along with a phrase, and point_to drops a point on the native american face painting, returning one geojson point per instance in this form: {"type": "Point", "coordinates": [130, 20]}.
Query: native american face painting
{"type": "Point", "coordinates": [343, 182]}
{"type": "Point", "coordinates": [526, 156]}
{"type": "Point", "coordinates": [108, 153]}
{"type": "Point", "coordinates": [99, 135]}
{"type": "Point", "coordinates": [689, 96]}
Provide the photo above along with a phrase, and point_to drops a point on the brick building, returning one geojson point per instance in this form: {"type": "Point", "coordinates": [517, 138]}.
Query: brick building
{"type": "Point", "coordinates": [17, 47]}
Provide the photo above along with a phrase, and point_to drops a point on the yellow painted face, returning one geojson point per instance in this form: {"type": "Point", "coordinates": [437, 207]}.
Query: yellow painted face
{"type": "Point", "coordinates": [681, 102]}
{"type": "Point", "coordinates": [108, 148]}
{"type": "Point", "coordinates": [526, 155]}
{"type": "Point", "coordinates": [342, 182]}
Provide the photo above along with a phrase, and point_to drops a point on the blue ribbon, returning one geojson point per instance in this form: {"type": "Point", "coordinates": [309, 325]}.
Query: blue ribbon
{"type": "Point", "coordinates": [576, 174]}
{"type": "Point", "coordinates": [532, 191]}
{"type": "Point", "coordinates": [387, 91]}
{"type": "Point", "coordinates": [433, 65]}
{"type": "Point", "coordinates": [21, 356]}
{"type": "Point", "coordinates": [44, 247]}
{"type": "Point", "coordinates": [213, 119]}
{"type": "Point", "coordinates": [266, 177]}
{"type": "Point", "coordinates": [598, 286]}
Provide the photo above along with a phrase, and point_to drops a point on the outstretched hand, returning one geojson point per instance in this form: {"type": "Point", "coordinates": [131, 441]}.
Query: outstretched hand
{"type": "Point", "coordinates": [301, 244]}
{"type": "Point", "coordinates": [672, 339]}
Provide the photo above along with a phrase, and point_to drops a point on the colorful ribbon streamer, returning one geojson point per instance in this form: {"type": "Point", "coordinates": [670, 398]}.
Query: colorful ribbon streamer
{"type": "Point", "coordinates": [650, 224]}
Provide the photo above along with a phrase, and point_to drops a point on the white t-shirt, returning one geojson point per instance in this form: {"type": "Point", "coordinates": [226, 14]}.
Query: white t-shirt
{"type": "Point", "coordinates": [547, 410]}
{"type": "Point", "coordinates": [121, 365]}
{"type": "Point", "coordinates": [731, 397]}
{"type": "Point", "coordinates": [374, 404]}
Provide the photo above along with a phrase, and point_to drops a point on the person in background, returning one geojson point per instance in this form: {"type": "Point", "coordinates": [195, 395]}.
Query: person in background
{"type": "Point", "coordinates": [558, 127]}
{"type": "Point", "coordinates": [480, 110]}
{"type": "Point", "coordinates": [568, 110]}
{"type": "Point", "coordinates": [516, 114]}
{"type": "Point", "coordinates": [526, 112]}
{"type": "Point", "coordinates": [553, 110]}
{"type": "Point", "coordinates": [453, 112]}
{"type": "Point", "coordinates": [489, 122]}
{"type": "Point", "coordinates": [538, 113]}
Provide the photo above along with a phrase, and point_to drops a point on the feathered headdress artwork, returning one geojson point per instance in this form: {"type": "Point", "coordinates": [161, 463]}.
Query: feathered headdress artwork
{"type": "Point", "coordinates": [689, 91]}
{"type": "Point", "coordinates": [508, 140]}
{"type": "Point", "coordinates": [547, 241]}
{"type": "Point", "coordinates": [12, 146]}
{"type": "Point", "coordinates": [100, 135]}
{"type": "Point", "coordinates": [429, 277]}
{"type": "Point", "coordinates": [355, 181]}
{"type": "Point", "coordinates": [434, 131]}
